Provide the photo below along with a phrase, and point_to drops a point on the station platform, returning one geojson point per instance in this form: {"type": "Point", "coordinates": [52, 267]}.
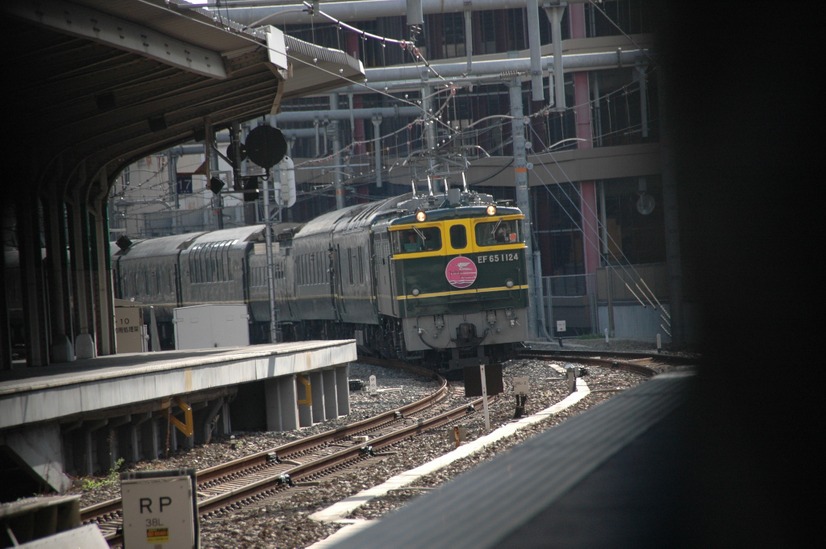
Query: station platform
{"type": "Point", "coordinates": [85, 415]}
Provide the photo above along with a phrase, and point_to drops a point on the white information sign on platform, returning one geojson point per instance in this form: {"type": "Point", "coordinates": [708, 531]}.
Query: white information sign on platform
{"type": "Point", "coordinates": [158, 512]}
{"type": "Point", "coordinates": [521, 385]}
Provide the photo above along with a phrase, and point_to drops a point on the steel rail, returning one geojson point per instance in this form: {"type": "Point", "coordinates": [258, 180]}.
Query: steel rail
{"type": "Point", "coordinates": [108, 514]}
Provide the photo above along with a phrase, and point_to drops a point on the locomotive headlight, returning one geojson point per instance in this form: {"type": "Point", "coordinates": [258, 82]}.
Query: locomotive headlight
{"type": "Point", "coordinates": [509, 283]}
{"type": "Point", "coordinates": [491, 209]}
{"type": "Point", "coordinates": [420, 216]}
{"type": "Point", "coordinates": [416, 291]}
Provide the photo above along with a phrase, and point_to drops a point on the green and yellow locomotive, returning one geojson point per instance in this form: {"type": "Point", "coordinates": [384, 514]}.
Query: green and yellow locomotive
{"type": "Point", "coordinates": [437, 277]}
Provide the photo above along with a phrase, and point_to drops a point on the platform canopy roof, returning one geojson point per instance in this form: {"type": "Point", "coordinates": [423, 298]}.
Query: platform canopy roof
{"type": "Point", "coordinates": [93, 85]}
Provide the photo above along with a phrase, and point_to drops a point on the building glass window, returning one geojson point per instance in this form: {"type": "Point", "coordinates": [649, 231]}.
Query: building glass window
{"type": "Point", "coordinates": [558, 234]}
{"type": "Point", "coordinates": [634, 221]}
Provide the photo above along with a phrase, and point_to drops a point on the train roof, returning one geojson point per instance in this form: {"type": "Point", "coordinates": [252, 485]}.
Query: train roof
{"type": "Point", "coordinates": [442, 214]}
{"type": "Point", "coordinates": [400, 209]}
{"type": "Point", "coordinates": [352, 217]}
{"type": "Point", "coordinates": [177, 243]}
{"type": "Point", "coordinates": [247, 233]}
{"type": "Point", "coordinates": [160, 246]}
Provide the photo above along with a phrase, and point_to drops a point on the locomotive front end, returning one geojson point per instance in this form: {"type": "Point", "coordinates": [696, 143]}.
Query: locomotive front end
{"type": "Point", "coordinates": [460, 282]}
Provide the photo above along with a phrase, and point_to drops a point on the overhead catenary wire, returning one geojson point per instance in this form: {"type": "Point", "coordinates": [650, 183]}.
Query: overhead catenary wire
{"type": "Point", "coordinates": [454, 134]}
{"type": "Point", "coordinates": [623, 262]}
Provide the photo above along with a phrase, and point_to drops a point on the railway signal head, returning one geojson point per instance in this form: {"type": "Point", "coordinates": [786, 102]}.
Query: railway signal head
{"type": "Point", "coordinates": [215, 185]}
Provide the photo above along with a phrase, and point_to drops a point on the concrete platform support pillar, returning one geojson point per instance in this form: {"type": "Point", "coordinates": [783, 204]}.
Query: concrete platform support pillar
{"type": "Point", "coordinates": [127, 443]}
{"type": "Point", "coordinates": [211, 419]}
{"type": "Point", "coordinates": [150, 438]}
{"type": "Point", "coordinates": [107, 446]}
{"type": "Point", "coordinates": [117, 441]}
{"type": "Point", "coordinates": [86, 463]}
{"type": "Point", "coordinates": [343, 390]}
{"type": "Point", "coordinates": [92, 444]}
{"type": "Point", "coordinates": [133, 444]}
{"type": "Point", "coordinates": [136, 438]}
{"type": "Point", "coordinates": [304, 394]}
{"type": "Point", "coordinates": [330, 395]}
{"type": "Point", "coordinates": [186, 442]}
{"type": "Point", "coordinates": [226, 424]}
{"type": "Point", "coordinates": [200, 420]}
{"type": "Point", "coordinates": [281, 402]}
{"type": "Point", "coordinates": [319, 405]}
{"type": "Point", "coordinates": [72, 446]}
{"type": "Point", "coordinates": [171, 442]}
{"type": "Point", "coordinates": [41, 450]}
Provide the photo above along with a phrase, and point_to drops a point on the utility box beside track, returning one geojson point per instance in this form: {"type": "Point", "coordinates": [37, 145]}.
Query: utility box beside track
{"type": "Point", "coordinates": [205, 326]}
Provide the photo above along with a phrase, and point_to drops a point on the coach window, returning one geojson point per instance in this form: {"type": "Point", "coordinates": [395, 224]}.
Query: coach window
{"type": "Point", "coordinates": [196, 265]}
{"type": "Point", "coordinates": [209, 257]}
{"type": "Point", "coordinates": [223, 257]}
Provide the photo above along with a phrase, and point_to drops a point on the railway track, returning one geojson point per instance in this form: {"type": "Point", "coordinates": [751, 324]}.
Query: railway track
{"type": "Point", "coordinates": [300, 464]}
{"type": "Point", "coordinates": [644, 364]}
{"type": "Point", "coordinates": [252, 478]}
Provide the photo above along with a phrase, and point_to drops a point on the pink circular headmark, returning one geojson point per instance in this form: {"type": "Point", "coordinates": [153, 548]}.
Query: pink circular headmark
{"type": "Point", "coordinates": [461, 272]}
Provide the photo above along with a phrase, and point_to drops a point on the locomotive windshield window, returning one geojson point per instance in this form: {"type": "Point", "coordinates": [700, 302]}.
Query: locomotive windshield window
{"type": "Point", "coordinates": [497, 232]}
{"type": "Point", "coordinates": [411, 242]}
{"type": "Point", "coordinates": [432, 238]}
{"type": "Point", "coordinates": [417, 240]}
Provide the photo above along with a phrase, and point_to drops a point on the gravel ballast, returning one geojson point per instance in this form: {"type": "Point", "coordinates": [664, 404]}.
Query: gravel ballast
{"type": "Point", "coordinates": [287, 523]}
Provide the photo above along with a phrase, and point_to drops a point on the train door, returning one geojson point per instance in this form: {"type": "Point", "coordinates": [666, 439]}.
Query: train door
{"type": "Point", "coordinates": [370, 270]}
{"type": "Point", "coordinates": [182, 277]}
{"type": "Point", "coordinates": [335, 280]}
{"type": "Point", "coordinates": [382, 272]}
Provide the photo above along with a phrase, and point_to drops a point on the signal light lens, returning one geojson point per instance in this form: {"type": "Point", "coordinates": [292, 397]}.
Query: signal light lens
{"type": "Point", "coordinates": [420, 216]}
{"type": "Point", "coordinates": [491, 210]}
{"type": "Point", "coordinates": [215, 185]}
